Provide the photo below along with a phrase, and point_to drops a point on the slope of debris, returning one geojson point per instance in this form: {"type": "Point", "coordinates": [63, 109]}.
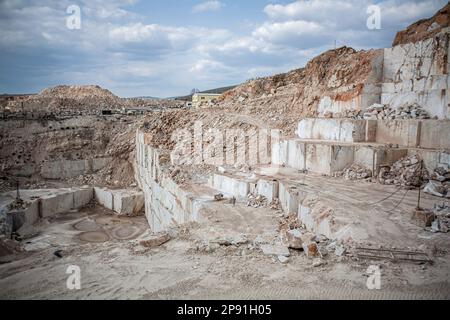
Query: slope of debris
{"type": "Point", "coordinates": [283, 99]}
{"type": "Point", "coordinates": [425, 28]}
{"type": "Point", "coordinates": [168, 130]}
{"type": "Point", "coordinates": [80, 93]}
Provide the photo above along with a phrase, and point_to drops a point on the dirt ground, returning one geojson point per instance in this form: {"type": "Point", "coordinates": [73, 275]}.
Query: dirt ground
{"type": "Point", "coordinates": [114, 265]}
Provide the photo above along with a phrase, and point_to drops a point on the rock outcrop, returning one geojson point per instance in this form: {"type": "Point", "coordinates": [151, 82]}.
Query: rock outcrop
{"type": "Point", "coordinates": [425, 28]}
{"type": "Point", "coordinates": [336, 77]}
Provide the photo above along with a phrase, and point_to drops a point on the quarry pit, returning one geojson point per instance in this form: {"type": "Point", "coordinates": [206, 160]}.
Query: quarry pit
{"type": "Point", "coordinates": [286, 187]}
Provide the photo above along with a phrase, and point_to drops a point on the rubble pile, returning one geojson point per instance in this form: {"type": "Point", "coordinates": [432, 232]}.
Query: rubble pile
{"type": "Point", "coordinates": [119, 173]}
{"type": "Point", "coordinates": [439, 184]}
{"type": "Point", "coordinates": [356, 172]}
{"type": "Point", "coordinates": [385, 112]}
{"type": "Point", "coordinates": [353, 114]}
{"type": "Point", "coordinates": [256, 201]}
{"type": "Point", "coordinates": [289, 222]}
{"type": "Point", "coordinates": [6, 185]}
{"type": "Point", "coordinates": [442, 221]}
{"type": "Point", "coordinates": [293, 235]}
{"type": "Point", "coordinates": [17, 204]}
{"type": "Point", "coordinates": [407, 172]}
{"type": "Point", "coordinates": [275, 204]}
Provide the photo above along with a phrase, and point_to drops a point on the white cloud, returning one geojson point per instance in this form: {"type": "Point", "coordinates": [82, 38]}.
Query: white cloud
{"type": "Point", "coordinates": [205, 65]}
{"type": "Point", "coordinates": [153, 39]}
{"type": "Point", "coordinates": [296, 33]}
{"type": "Point", "coordinates": [344, 21]}
{"type": "Point", "coordinates": [343, 14]}
{"type": "Point", "coordinates": [132, 55]}
{"type": "Point", "coordinates": [313, 10]}
{"type": "Point", "coordinates": [213, 5]}
{"type": "Point", "coordinates": [151, 33]}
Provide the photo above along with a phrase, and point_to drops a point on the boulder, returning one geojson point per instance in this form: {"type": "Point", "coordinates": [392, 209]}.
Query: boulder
{"type": "Point", "coordinates": [155, 240]}
{"type": "Point", "coordinates": [292, 239]}
{"type": "Point", "coordinates": [275, 250]}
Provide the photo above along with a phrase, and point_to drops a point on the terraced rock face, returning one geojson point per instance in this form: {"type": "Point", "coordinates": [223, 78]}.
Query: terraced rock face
{"type": "Point", "coordinates": [335, 81]}
{"type": "Point", "coordinates": [74, 149]}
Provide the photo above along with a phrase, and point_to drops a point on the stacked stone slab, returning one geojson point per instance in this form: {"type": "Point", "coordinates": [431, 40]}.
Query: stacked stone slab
{"type": "Point", "coordinates": [123, 202]}
{"type": "Point", "coordinates": [47, 203]}
{"type": "Point", "coordinates": [326, 146]}
{"type": "Point", "coordinates": [408, 74]}
{"type": "Point", "coordinates": [40, 204]}
{"type": "Point", "coordinates": [419, 73]}
{"type": "Point", "coordinates": [166, 202]}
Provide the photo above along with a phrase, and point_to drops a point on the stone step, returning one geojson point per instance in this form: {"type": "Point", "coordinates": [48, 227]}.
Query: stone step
{"type": "Point", "coordinates": [239, 185]}
{"type": "Point", "coordinates": [123, 201]}
{"type": "Point", "coordinates": [343, 130]}
{"type": "Point", "coordinates": [41, 203]}
{"type": "Point", "coordinates": [426, 134]}
{"type": "Point", "coordinates": [340, 210]}
{"type": "Point", "coordinates": [47, 203]}
{"type": "Point", "coordinates": [328, 157]}
{"type": "Point", "coordinates": [168, 203]}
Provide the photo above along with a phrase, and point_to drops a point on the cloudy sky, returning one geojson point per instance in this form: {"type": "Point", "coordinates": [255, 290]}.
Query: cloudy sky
{"type": "Point", "coordinates": [167, 47]}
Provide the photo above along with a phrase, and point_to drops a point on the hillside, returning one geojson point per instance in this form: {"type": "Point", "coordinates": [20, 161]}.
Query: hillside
{"type": "Point", "coordinates": [282, 99]}
{"type": "Point", "coordinates": [77, 98]}
{"type": "Point", "coordinates": [217, 91]}
{"type": "Point", "coordinates": [78, 92]}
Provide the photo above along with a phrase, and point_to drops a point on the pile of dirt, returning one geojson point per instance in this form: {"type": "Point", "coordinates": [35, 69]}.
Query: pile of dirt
{"type": "Point", "coordinates": [426, 28]}
{"type": "Point", "coordinates": [172, 131]}
{"type": "Point", "coordinates": [79, 93]}
{"type": "Point", "coordinates": [162, 128]}
{"type": "Point", "coordinates": [97, 96]}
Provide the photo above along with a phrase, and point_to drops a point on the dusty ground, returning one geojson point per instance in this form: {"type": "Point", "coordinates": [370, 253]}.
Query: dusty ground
{"type": "Point", "coordinates": [122, 269]}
